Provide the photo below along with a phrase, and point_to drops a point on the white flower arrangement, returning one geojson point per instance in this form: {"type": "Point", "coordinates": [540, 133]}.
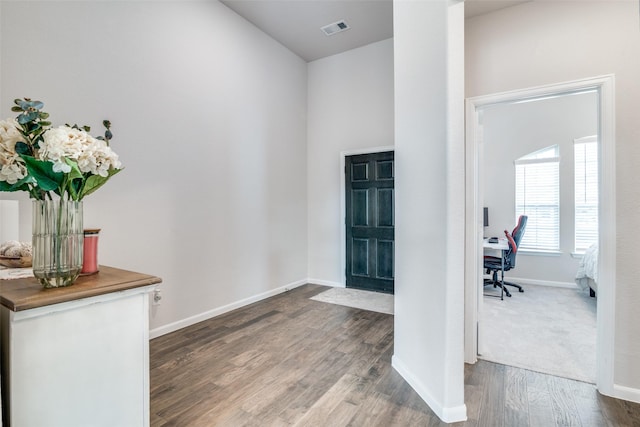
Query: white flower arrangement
{"type": "Point", "coordinates": [64, 160]}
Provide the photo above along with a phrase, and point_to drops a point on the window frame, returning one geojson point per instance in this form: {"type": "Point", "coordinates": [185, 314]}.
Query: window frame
{"type": "Point", "coordinates": [592, 140]}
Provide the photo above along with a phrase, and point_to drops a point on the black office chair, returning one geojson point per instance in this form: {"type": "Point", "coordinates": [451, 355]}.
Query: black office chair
{"type": "Point", "coordinates": [508, 261]}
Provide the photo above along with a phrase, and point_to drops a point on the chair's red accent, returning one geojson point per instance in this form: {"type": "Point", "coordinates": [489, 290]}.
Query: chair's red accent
{"type": "Point", "coordinates": [512, 243]}
{"type": "Point", "coordinates": [518, 225]}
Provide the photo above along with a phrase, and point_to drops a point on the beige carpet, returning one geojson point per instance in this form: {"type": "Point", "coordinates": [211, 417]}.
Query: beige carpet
{"type": "Point", "coordinates": [545, 329]}
{"type": "Point", "coordinates": [366, 300]}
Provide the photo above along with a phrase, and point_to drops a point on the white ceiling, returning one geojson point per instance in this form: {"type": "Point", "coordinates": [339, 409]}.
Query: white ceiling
{"type": "Point", "coordinates": [296, 23]}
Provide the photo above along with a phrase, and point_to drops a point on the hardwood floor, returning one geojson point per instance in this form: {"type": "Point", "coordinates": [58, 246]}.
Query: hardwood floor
{"type": "Point", "coordinates": [289, 360]}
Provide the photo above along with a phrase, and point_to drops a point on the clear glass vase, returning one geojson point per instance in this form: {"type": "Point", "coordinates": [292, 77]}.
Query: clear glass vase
{"type": "Point", "coordinates": [57, 242]}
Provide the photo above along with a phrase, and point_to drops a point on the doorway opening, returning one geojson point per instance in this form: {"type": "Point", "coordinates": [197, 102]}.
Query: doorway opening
{"type": "Point", "coordinates": [532, 152]}
{"type": "Point", "coordinates": [603, 87]}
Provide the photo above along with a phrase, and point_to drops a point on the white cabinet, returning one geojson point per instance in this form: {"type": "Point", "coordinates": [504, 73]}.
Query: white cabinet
{"type": "Point", "coordinates": [80, 362]}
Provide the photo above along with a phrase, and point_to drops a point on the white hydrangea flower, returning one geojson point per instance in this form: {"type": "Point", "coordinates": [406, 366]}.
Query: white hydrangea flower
{"type": "Point", "coordinates": [13, 168]}
{"type": "Point", "coordinates": [91, 154]}
{"type": "Point", "coordinates": [12, 173]}
{"type": "Point", "coordinates": [61, 142]}
{"type": "Point", "coordinates": [61, 167]}
{"type": "Point", "coordinates": [9, 133]}
{"type": "Point", "coordinates": [98, 158]}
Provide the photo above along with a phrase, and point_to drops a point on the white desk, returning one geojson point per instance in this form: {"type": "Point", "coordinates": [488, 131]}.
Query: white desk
{"type": "Point", "coordinates": [502, 245]}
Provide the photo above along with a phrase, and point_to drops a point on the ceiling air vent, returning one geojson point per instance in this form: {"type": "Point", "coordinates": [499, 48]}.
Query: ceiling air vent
{"type": "Point", "coordinates": [335, 28]}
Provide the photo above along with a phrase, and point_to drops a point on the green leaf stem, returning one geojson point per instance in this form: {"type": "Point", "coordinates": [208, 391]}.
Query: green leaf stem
{"type": "Point", "coordinates": [96, 181]}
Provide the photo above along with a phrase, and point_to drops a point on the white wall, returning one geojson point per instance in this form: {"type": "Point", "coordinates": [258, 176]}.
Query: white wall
{"type": "Point", "coordinates": [209, 119]}
{"type": "Point", "coordinates": [350, 108]}
{"type": "Point", "coordinates": [549, 42]}
{"type": "Point", "coordinates": [511, 131]}
{"type": "Point", "coordinates": [429, 309]}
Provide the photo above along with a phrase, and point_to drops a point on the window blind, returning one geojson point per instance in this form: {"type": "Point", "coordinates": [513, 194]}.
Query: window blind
{"type": "Point", "coordinates": [586, 192]}
{"type": "Point", "coordinates": [538, 197]}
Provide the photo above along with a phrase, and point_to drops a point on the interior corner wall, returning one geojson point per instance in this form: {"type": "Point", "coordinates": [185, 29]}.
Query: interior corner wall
{"type": "Point", "coordinates": [429, 155]}
{"type": "Point", "coordinates": [209, 120]}
{"type": "Point", "coordinates": [350, 107]}
{"type": "Point", "coordinates": [511, 131]}
{"type": "Point", "coordinates": [552, 42]}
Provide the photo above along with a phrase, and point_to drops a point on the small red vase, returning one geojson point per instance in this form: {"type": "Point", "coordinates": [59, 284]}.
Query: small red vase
{"type": "Point", "coordinates": [90, 255]}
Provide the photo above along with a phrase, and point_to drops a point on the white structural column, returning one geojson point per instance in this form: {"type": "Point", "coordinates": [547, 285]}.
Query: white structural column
{"type": "Point", "coordinates": [429, 141]}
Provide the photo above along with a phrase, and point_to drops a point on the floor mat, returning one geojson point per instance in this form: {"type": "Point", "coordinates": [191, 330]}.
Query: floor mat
{"type": "Point", "coordinates": [366, 300]}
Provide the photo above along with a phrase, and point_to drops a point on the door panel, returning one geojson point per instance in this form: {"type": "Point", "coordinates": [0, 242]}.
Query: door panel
{"type": "Point", "coordinates": [385, 207]}
{"type": "Point", "coordinates": [384, 170]}
{"type": "Point", "coordinates": [385, 259]}
{"type": "Point", "coordinates": [359, 172]}
{"type": "Point", "coordinates": [370, 221]}
{"type": "Point", "coordinates": [360, 205]}
{"type": "Point", "coordinates": [360, 258]}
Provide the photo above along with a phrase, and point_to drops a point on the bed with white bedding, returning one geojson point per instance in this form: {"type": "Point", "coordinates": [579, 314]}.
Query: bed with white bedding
{"type": "Point", "coordinates": [587, 275]}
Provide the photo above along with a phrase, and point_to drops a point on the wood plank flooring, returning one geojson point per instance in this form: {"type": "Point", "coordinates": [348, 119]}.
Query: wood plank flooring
{"type": "Point", "coordinates": [291, 361]}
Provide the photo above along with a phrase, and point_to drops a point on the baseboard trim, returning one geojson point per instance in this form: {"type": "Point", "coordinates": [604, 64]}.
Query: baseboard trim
{"type": "Point", "coordinates": [447, 414]}
{"type": "Point", "coordinates": [172, 327]}
{"type": "Point", "coordinates": [325, 283]}
{"type": "Point", "coordinates": [626, 393]}
{"type": "Point", "coordinates": [523, 281]}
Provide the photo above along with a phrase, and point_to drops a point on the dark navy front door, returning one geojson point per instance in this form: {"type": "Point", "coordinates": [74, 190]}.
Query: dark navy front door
{"type": "Point", "coordinates": [370, 221]}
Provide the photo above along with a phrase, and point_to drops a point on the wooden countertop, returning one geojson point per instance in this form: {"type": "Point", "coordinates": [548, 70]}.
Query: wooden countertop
{"type": "Point", "coordinates": [27, 293]}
